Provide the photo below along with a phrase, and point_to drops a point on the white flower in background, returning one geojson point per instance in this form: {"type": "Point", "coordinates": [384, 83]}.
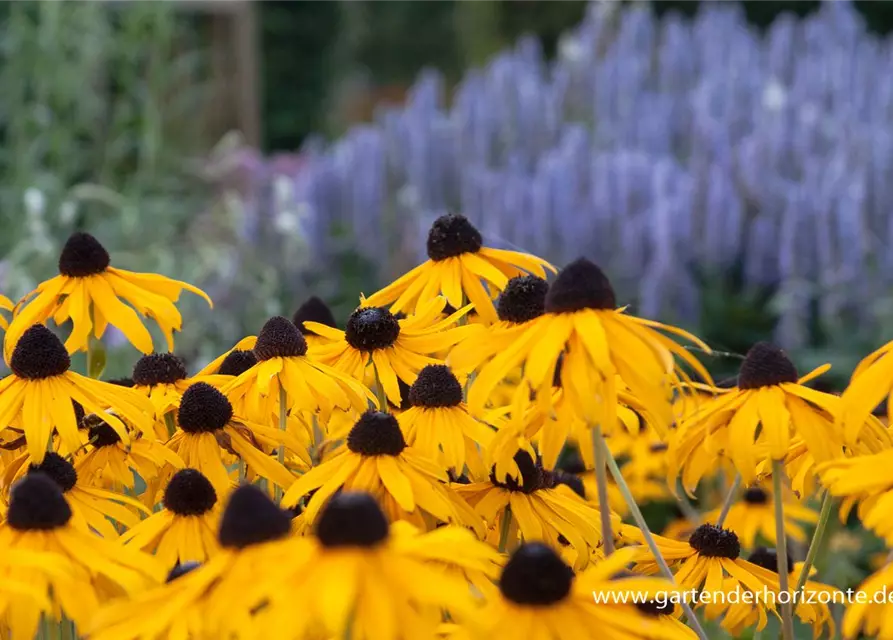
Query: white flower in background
{"type": "Point", "coordinates": [67, 212]}
{"type": "Point", "coordinates": [35, 202]}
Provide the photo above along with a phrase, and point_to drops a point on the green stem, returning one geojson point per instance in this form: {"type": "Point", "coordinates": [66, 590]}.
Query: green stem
{"type": "Point", "coordinates": [646, 532]}
{"type": "Point", "coordinates": [601, 482]}
{"type": "Point", "coordinates": [781, 550]}
{"type": "Point", "coordinates": [816, 541]}
{"type": "Point", "coordinates": [283, 425]}
{"type": "Point", "coordinates": [317, 439]}
{"type": "Point", "coordinates": [504, 531]}
{"type": "Point", "coordinates": [171, 425]}
{"type": "Point", "coordinates": [379, 391]}
{"type": "Point", "coordinates": [730, 500]}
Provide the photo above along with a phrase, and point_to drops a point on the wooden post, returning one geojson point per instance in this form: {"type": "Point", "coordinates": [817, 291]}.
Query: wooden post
{"type": "Point", "coordinates": [235, 62]}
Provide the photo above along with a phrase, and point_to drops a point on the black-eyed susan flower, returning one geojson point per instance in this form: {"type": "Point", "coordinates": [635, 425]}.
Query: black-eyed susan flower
{"type": "Point", "coordinates": [770, 403]}
{"type": "Point", "coordinates": [812, 603]}
{"type": "Point", "coordinates": [222, 597]}
{"type": "Point", "coordinates": [438, 425]}
{"type": "Point", "coordinates": [89, 292]}
{"type": "Point", "coordinates": [754, 515]}
{"type": "Point", "coordinates": [364, 578]}
{"type": "Point", "coordinates": [93, 509]}
{"type": "Point", "coordinates": [242, 347]}
{"type": "Point", "coordinates": [210, 437]}
{"type": "Point", "coordinates": [5, 305]}
{"type": "Point", "coordinates": [596, 343]}
{"type": "Point", "coordinates": [709, 559]}
{"type": "Point", "coordinates": [530, 499]}
{"type": "Point", "coordinates": [377, 460]}
{"type": "Point", "coordinates": [313, 310]}
{"type": "Point", "coordinates": [38, 396]}
{"type": "Point", "coordinates": [39, 519]}
{"type": "Point", "coordinates": [459, 268]}
{"type": "Point", "coordinates": [185, 530]}
{"type": "Point", "coordinates": [397, 348]}
{"type": "Point", "coordinates": [522, 301]}
{"type": "Point", "coordinates": [110, 464]}
{"type": "Point", "coordinates": [284, 371]}
{"type": "Point", "coordinates": [542, 599]}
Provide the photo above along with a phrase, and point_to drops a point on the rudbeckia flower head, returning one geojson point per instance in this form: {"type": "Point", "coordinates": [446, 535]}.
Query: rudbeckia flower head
{"type": "Point", "coordinates": [756, 420]}
{"type": "Point", "coordinates": [39, 396]}
{"type": "Point", "coordinates": [185, 530]}
{"type": "Point", "coordinates": [307, 384]}
{"type": "Point", "coordinates": [89, 292]}
{"type": "Point", "coordinates": [522, 301]}
{"type": "Point", "coordinates": [111, 464]}
{"type": "Point", "coordinates": [438, 423]}
{"type": "Point", "coordinates": [541, 507]}
{"type": "Point", "coordinates": [596, 345]}
{"type": "Point", "coordinates": [210, 437]}
{"type": "Point", "coordinates": [459, 268]}
{"type": "Point", "coordinates": [394, 347]}
{"type": "Point", "coordinates": [376, 459]}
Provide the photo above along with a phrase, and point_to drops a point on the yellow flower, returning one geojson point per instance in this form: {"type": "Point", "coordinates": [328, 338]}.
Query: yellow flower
{"type": "Point", "coordinates": [540, 509]}
{"type": "Point", "coordinates": [223, 597]}
{"type": "Point", "coordinates": [308, 384]}
{"type": "Point", "coordinates": [396, 348]}
{"type": "Point", "coordinates": [365, 579]}
{"type": "Point", "coordinates": [39, 519]}
{"type": "Point", "coordinates": [210, 438]}
{"type": "Point", "coordinates": [92, 509]}
{"type": "Point", "coordinates": [438, 425]}
{"type": "Point", "coordinates": [185, 530]}
{"type": "Point", "coordinates": [88, 291]}
{"type": "Point", "coordinates": [542, 599]}
{"type": "Point", "coordinates": [376, 460]}
{"type": "Point", "coordinates": [595, 343]}
{"type": "Point", "coordinates": [38, 396]}
{"type": "Point", "coordinates": [769, 404]}
{"type": "Point", "coordinates": [709, 559]}
{"type": "Point", "coordinates": [458, 269]}
{"type": "Point", "coordinates": [521, 302]}
{"type": "Point", "coordinates": [754, 515]}
{"type": "Point", "coordinates": [110, 464]}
